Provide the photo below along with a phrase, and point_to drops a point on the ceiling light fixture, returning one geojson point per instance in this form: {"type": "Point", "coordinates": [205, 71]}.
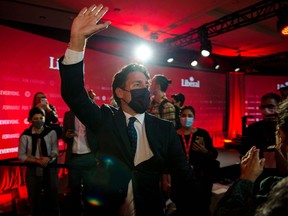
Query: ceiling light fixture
{"type": "Point", "coordinates": [194, 63]}
{"type": "Point", "coordinates": [205, 43]}
{"type": "Point", "coordinates": [206, 48]}
{"type": "Point", "coordinates": [170, 59]}
{"type": "Point", "coordinates": [216, 65]}
{"type": "Point", "coordinates": [282, 23]}
{"type": "Point", "coordinates": [238, 63]}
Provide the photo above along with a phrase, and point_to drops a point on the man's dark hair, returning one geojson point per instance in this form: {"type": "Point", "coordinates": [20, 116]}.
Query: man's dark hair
{"type": "Point", "coordinates": [179, 98]}
{"type": "Point", "coordinates": [163, 81]}
{"type": "Point", "coordinates": [35, 110]}
{"type": "Point", "coordinates": [271, 95]}
{"type": "Point", "coordinates": [120, 78]}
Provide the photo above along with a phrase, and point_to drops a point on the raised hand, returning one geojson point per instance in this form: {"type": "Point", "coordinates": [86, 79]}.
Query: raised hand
{"type": "Point", "coordinates": [87, 24]}
{"type": "Point", "coordinates": [251, 165]}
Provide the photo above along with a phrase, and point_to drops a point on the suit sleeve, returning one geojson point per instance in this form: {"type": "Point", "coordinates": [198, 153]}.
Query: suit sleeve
{"type": "Point", "coordinates": [75, 95]}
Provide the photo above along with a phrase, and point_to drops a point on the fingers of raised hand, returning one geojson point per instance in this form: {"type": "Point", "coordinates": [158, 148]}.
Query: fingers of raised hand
{"type": "Point", "coordinates": [87, 11]}
{"type": "Point", "coordinates": [94, 10]}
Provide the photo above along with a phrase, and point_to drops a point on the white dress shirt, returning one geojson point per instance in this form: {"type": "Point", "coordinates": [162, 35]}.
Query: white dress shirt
{"type": "Point", "coordinates": [80, 145]}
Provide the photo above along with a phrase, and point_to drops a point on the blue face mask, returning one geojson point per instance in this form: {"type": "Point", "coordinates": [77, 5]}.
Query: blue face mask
{"type": "Point", "coordinates": [187, 121]}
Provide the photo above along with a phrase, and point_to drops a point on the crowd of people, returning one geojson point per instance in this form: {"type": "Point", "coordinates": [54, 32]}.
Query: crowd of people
{"type": "Point", "coordinates": [143, 154]}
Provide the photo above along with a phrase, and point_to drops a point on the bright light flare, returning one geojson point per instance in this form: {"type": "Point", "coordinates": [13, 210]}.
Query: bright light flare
{"type": "Point", "coordinates": [143, 53]}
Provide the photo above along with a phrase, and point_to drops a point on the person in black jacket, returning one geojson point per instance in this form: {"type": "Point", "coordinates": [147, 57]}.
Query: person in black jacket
{"type": "Point", "coordinates": [262, 134]}
{"type": "Point", "coordinates": [81, 160]}
{"type": "Point", "coordinates": [40, 100]}
{"type": "Point", "coordinates": [271, 199]}
{"type": "Point", "coordinates": [198, 146]}
{"type": "Point", "coordinates": [127, 184]}
{"type": "Point", "coordinates": [178, 102]}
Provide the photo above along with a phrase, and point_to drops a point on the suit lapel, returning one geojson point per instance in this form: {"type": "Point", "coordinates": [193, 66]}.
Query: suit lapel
{"type": "Point", "coordinates": [151, 133]}
{"type": "Point", "coordinates": [72, 121]}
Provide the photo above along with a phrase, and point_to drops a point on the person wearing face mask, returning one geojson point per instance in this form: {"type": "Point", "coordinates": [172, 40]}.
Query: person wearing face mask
{"type": "Point", "coordinates": [201, 154]}
{"type": "Point", "coordinates": [134, 147]}
{"type": "Point", "coordinates": [38, 146]}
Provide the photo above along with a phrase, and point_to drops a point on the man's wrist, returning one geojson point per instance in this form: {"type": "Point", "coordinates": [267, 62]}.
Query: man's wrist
{"type": "Point", "coordinates": [72, 57]}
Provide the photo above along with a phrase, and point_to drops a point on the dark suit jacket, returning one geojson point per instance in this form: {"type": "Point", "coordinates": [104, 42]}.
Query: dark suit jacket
{"type": "Point", "coordinates": [69, 123]}
{"type": "Point", "coordinates": [114, 150]}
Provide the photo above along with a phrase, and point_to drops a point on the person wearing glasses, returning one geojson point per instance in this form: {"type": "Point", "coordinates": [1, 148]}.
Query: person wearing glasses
{"type": "Point", "coordinates": [262, 133]}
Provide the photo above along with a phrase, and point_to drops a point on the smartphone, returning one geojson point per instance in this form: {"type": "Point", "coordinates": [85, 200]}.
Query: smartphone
{"type": "Point", "coordinates": [199, 140]}
{"type": "Point", "coordinates": [44, 101]}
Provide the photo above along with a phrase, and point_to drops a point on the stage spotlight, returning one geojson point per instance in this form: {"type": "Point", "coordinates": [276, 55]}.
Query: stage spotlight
{"type": "Point", "coordinates": [237, 68]}
{"type": "Point", "coordinates": [237, 65]}
{"type": "Point", "coordinates": [216, 65]}
{"type": "Point", "coordinates": [194, 63]}
{"type": "Point", "coordinates": [282, 24]}
{"type": "Point", "coordinates": [170, 60]}
{"type": "Point", "coordinates": [206, 48]}
{"type": "Point", "coordinates": [205, 43]}
{"type": "Point", "coordinates": [143, 53]}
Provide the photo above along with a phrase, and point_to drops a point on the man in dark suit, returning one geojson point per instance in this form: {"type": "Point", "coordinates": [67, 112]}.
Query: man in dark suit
{"type": "Point", "coordinates": [81, 160]}
{"type": "Point", "coordinates": [127, 181]}
{"type": "Point", "coordinates": [262, 135]}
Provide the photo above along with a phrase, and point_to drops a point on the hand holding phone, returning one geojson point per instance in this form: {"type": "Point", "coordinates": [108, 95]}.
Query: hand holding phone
{"type": "Point", "coordinates": [44, 101]}
{"type": "Point", "coordinates": [199, 140]}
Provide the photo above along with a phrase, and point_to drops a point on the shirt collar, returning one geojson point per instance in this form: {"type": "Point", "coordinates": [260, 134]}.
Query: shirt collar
{"type": "Point", "coordinates": [139, 117]}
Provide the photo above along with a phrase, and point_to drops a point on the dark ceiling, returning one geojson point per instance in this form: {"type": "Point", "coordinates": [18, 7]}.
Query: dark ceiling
{"type": "Point", "coordinates": [235, 27]}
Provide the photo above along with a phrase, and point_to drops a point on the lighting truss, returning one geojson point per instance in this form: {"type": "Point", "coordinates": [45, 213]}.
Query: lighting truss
{"type": "Point", "coordinates": [262, 10]}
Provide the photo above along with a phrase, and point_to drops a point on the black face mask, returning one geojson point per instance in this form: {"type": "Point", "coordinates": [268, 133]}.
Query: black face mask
{"type": "Point", "coordinates": [38, 124]}
{"type": "Point", "coordinates": [140, 100]}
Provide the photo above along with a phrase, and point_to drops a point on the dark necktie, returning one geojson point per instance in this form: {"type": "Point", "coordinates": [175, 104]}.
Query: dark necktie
{"type": "Point", "coordinates": [132, 135]}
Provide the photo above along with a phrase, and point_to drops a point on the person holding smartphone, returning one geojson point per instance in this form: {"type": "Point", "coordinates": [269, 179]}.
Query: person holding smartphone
{"type": "Point", "coordinates": [200, 152]}
{"type": "Point", "coordinates": [81, 160]}
{"type": "Point", "coordinates": [40, 100]}
{"type": "Point", "coordinates": [51, 120]}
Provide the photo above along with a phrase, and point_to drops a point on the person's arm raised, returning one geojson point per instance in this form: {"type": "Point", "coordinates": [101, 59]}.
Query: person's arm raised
{"type": "Point", "coordinates": [85, 25]}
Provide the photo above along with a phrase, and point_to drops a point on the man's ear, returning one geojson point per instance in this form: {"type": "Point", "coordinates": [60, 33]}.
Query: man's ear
{"type": "Point", "coordinates": [119, 92]}
{"type": "Point", "coordinates": [158, 87]}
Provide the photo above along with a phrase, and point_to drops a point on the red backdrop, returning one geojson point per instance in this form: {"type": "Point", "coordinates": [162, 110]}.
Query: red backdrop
{"type": "Point", "coordinates": [256, 87]}
{"type": "Point", "coordinates": [29, 64]}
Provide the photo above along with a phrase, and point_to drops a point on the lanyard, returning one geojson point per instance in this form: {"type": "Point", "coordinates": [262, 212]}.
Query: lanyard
{"type": "Point", "coordinates": [187, 145]}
